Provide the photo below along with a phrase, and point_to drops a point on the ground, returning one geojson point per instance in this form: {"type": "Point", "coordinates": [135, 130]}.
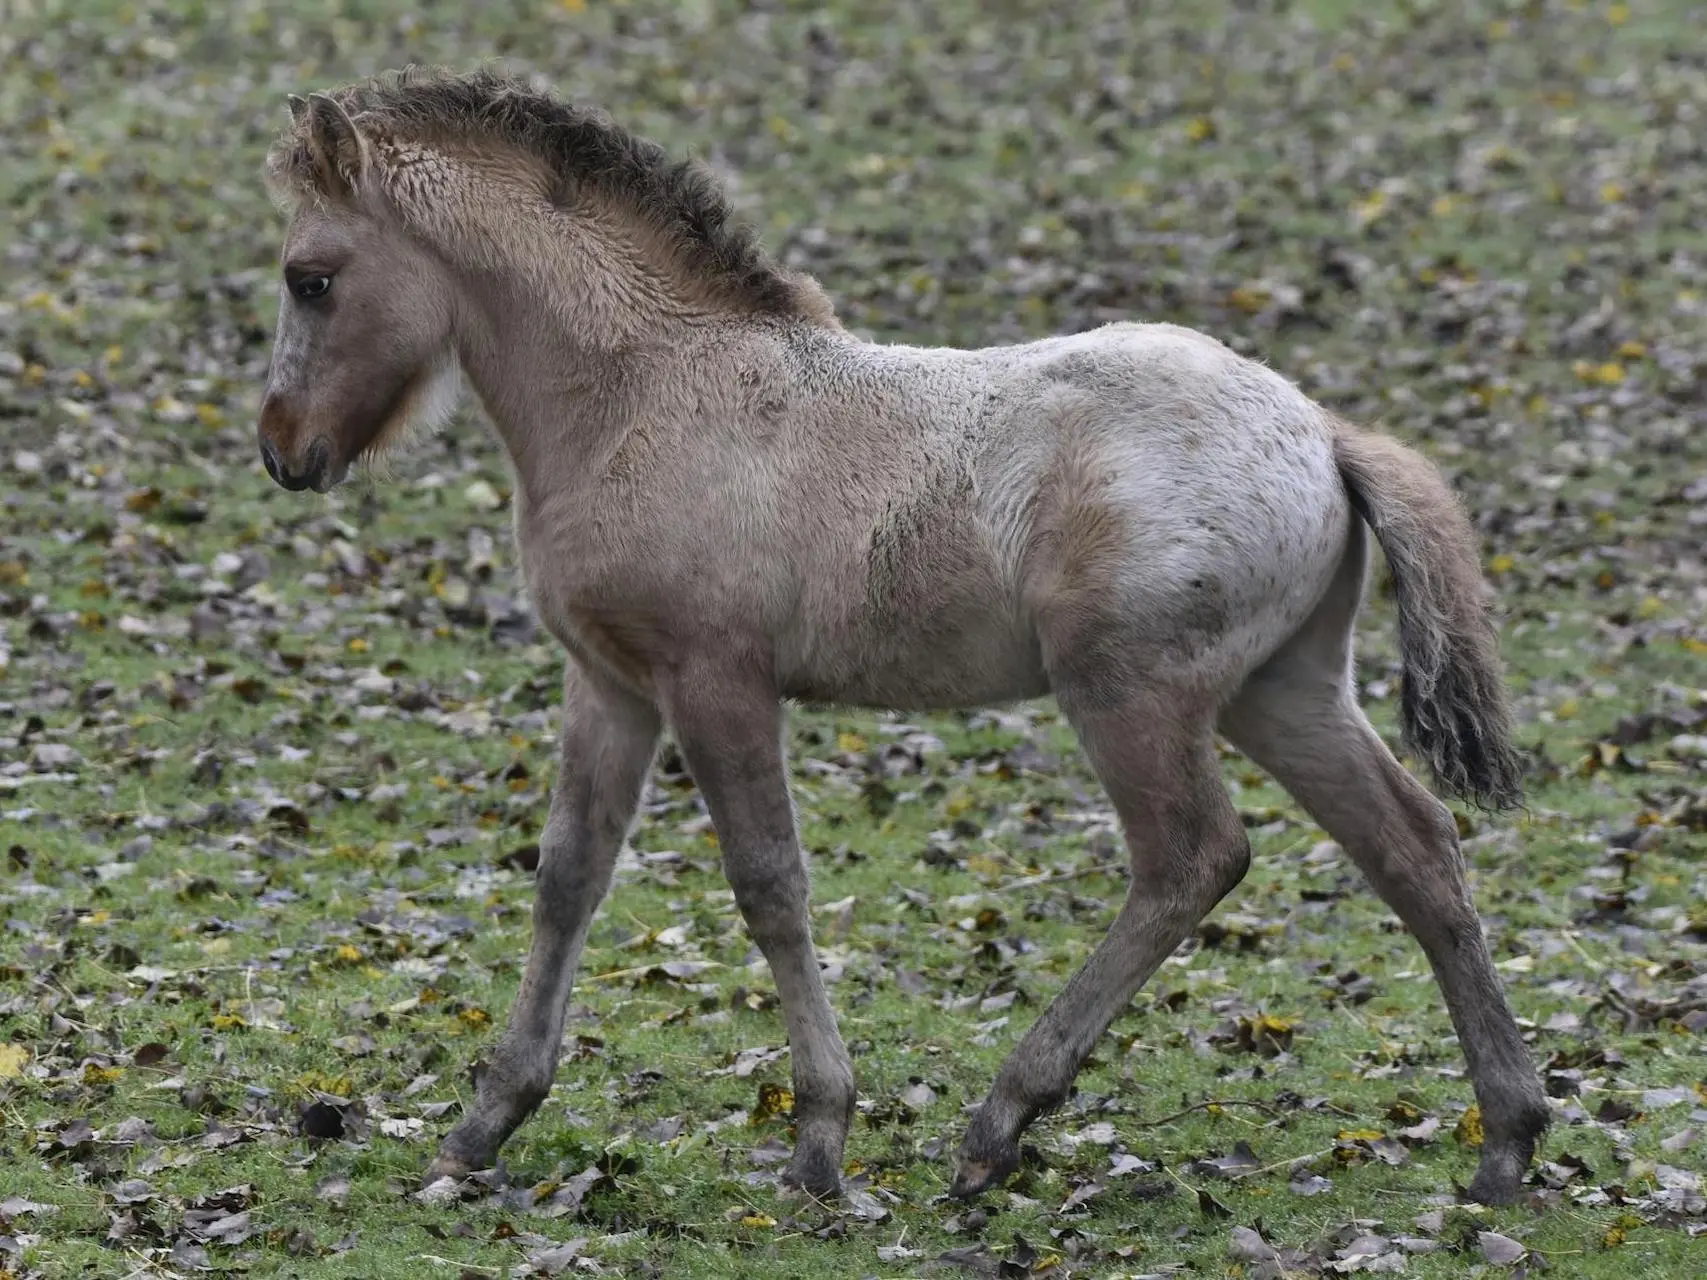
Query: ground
{"type": "Point", "coordinates": [272, 765]}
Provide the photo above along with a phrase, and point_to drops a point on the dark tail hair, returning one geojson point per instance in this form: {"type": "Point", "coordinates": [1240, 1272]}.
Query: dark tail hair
{"type": "Point", "coordinates": [1453, 704]}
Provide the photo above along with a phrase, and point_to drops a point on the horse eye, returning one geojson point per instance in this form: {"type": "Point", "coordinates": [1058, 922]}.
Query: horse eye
{"type": "Point", "coordinates": [311, 287]}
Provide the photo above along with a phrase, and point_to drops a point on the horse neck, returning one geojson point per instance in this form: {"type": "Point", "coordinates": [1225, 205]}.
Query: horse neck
{"type": "Point", "coordinates": [559, 346]}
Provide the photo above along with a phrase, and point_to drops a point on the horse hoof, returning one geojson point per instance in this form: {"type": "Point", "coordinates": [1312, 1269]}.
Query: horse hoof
{"type": "Point", "coordinates": [1496, 1184]}
{"type": "Point", "coordinates": [973, 1177]}
{"type": "Point", "coordinates": [814, 1175]}
{"type": "Point", "coordinates": [445, 1166]}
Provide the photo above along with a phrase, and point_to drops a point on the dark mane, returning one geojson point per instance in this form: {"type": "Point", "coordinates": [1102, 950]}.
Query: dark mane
{"type": "Point", "coordinates": [588, 152]}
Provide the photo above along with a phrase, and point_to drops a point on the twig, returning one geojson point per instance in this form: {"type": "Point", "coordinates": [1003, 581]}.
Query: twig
{"type": "Point", "coordinates": [1279, 1164]}
{"type": "Point", "coordinates": [451, 1262]}
{"type": "Point", "coordinates": [1053, 877]}
{"type": "Point", "coordinates": [1570, 936]}
{"type": "Point", "coordinates": [148, 1267]}
{"type": "Point", "coordinates": [629, 973]}
{"type": "Point", "coordinates": [1167, 1169]}
{"type": "Point", "coordinates": [813, 1198]}
{"type": "Point", "coordinates": [214, 470]}
{"type": "Point", "coordinates": [1205, 1106]}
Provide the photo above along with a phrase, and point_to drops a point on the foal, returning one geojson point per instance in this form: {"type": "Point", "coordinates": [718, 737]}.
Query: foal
{"type": "Point", "coordinates": [723, 501]}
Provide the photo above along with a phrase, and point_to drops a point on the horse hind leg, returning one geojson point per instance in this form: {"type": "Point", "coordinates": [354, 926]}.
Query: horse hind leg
{"type": "Point", "coordinates": [1298, 719]}
{"type": "Point", "coordinates": [1154, 753]}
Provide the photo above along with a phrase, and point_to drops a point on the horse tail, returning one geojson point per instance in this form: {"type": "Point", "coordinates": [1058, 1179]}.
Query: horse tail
{"type": "Point", "coordinates": [1454, 709]}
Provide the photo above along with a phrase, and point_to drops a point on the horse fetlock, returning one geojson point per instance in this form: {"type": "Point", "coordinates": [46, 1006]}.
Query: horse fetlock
{"type": "Point", "coordinates": [1037, 1077]}
{"type": "Point", "coordinates": [525, 1095]}
{"type": "Point", "coordinates": [518, 1078]}
{"type": "Point", "coordinates": [1519, 1123]}
{"type": "Point", "coordinates": [506, 1093]}
{"type": "Point", "coordinates": [823, 1112]}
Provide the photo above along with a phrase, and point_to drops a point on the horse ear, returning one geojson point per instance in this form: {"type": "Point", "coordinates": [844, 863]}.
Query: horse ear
{"type": "Point", "coordinates": [339, 150]}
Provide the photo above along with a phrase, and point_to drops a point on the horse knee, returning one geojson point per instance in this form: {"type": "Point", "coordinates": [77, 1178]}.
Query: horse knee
{"type": "Point", "coordinates": [1425, 859]}
{"type": "Point", "coordinates": [1219, 862]}
{"type": "Point", "coordinates": [1200, 867]}
{"type": "Point", "coordinates": [1193, 849]}
{"type": "Point", "coordinates": [1230, 861]}
{"type": "Point", "coordinates": [1221, 846]}
{"type": "Point", "coordinates": [828, 1091]}
{"type": "Point", "coordinates": [773, 895]}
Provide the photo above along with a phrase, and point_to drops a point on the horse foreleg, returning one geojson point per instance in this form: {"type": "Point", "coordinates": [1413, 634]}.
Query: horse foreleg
{"type": "Point", "coordinates": [729, 728]}
{"type": "Point", "coordinates": [607, 742]}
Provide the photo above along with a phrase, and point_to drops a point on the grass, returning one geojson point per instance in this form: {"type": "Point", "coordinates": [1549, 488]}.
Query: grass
{"type": "Point", "coordinates": [268, 760]}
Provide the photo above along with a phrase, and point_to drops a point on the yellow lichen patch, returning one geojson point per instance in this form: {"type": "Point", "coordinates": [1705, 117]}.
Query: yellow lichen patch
{"type": "Point", "coordinates": [774, 1100]}
{"type": "Point", "coordinates": [1468, 1130]}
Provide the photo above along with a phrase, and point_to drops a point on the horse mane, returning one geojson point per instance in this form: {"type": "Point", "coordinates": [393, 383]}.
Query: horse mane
{"type": "Point", "coordinates": [587, 153]}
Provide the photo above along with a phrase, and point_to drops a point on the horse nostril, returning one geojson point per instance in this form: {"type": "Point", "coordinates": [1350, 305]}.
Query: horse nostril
{"type": "Point", "coordinates": [314, 467]}
{"type": "Point", "coordinates": [270, 460]}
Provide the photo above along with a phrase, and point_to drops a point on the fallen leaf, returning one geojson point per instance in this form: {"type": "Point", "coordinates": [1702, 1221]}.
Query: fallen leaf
{"type": "Point", "coordinates": [1500, 1250]}
{"type": "Point", "coordinates": [556, 1259]}
{"type": "Point", "coordinates": [1249, 1246]}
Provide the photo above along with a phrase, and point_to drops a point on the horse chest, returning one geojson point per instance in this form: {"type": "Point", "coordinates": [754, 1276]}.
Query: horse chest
{"type": "Point", "coordinates": [603, 631]}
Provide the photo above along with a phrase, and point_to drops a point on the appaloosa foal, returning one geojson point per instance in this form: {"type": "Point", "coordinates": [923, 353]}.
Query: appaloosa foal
{"type": "Point", "coordinates": [723, 500]}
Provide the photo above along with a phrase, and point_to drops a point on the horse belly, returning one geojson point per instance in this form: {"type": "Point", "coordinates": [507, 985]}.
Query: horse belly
{"type": "Point", "coordinates": [938, 665]}
{"type": "Point", "coordinates": [933, 625]}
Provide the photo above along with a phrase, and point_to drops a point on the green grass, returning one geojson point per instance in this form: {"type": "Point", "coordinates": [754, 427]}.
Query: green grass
{"type": "Point", "coordinates": [1475, 225]}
